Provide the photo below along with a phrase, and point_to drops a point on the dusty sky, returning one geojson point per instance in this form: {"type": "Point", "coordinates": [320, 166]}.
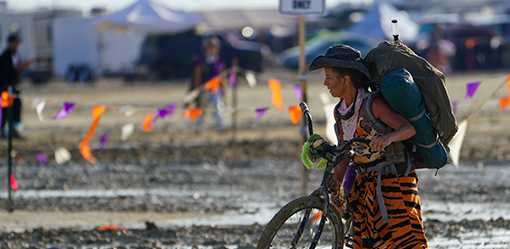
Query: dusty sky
{"type": "Point", "coordinates": [113, 5]}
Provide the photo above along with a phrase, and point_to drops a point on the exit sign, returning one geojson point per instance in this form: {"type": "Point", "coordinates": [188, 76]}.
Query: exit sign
{"type": "Point", "coordinates": [302, 7]}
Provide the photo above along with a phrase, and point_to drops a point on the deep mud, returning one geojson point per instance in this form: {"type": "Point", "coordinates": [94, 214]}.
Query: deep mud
{"type": "Point", "coordinates": [225, 201]}
{"type": "Point", "coordinates": [441, 235]}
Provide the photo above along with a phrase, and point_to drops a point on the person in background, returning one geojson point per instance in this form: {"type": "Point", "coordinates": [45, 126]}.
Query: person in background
{"type": "Point", "coordinates": [206, 67]}
{"type": "Point", "coordinates": [10, 70]}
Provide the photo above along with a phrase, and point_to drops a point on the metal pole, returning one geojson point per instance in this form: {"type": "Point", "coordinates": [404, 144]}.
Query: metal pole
{"type": "Point", "coordinates": [10, 203]}
{"type": "Point", "coordinates": [234, 102]}
{"type": "Point", "coordinates": [304, 97]}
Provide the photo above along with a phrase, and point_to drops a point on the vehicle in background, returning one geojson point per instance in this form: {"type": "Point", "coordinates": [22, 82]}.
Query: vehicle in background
{"type": "Point", "coordinates": [172, 56]}
{"type": "Point", "coordinates": [317, 46]}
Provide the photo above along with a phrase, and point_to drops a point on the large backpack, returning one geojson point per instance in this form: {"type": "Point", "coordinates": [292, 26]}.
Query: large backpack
{"type": "Point", "coordinates": [388, 56]}
{"type": "Point", "coordinates": [395, 69]}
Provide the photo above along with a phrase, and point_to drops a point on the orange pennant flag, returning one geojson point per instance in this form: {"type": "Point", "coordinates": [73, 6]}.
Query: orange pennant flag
{"type": "Point", "coordinates": [148, 122]}
{"type": "Point", "coordinates": [193, 113]}
{"type": "Point", "coordinates": [110, 228]}
{"type": "Point", "coordinates": [85, 150]}
{"type": "Point", "coordinates": [504, 102]}
{"type": "Point", "coordinates": [6, 99]}
{"type": "Point", "coordinates": [14, 183]}
{"type": "Point", "coordinates": [295, 114]}
{"type": "Point", "coordinates": [276, 92]}
{"type": "Point", "coordinates": [317, 216]}
{"type": "Point", "coordinates": [213, 84]}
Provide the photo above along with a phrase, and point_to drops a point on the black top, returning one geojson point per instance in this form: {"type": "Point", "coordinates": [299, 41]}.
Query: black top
{"type": "Point", "coordinates": [9, 75]}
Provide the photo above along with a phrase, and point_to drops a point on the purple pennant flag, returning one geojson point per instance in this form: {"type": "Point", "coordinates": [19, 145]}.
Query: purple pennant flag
{"type": "Point", "coordinates": [42, 158]}
{"type": "Point", "coordinates": [66, 109]}
{"type": "Point", "coordinates": [162, 113]}
{"type": "Point", "coordinates": [471, 89]}
{"type": "Point", "coordinates": [298, 92]}
{"type": "Point", "coordinates": [103, 140]}
{"type": "Point", "coordinates": [232, 78]}
{"type": "Point", "coordinates": [260, 112]}
{"type": "Point", "coordinates": [166, 111]}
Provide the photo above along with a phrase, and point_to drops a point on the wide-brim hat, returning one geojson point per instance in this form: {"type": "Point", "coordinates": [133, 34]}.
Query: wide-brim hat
{"type": "Point", "coordinates": [341, 56]}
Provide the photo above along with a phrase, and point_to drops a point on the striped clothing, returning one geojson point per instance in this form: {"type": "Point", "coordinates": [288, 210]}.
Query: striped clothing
{"type": "Point", "coordinates": [404, 228]}
{"type": "Point", "coordinates": [394, 220]}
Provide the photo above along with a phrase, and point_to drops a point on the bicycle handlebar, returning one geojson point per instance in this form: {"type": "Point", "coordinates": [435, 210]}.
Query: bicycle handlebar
{"type": "Point", "coordinates": [307, 118]}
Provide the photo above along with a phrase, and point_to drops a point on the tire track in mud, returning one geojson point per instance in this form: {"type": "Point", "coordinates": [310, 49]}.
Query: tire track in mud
{"type": "Point", "coordinates": [228, 187]}
{"type": "Point", "coordinates": [463, 234]}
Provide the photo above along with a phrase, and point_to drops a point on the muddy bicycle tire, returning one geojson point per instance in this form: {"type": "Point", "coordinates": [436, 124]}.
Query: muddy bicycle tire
{"type": "Point", "coordinates": [272, 228]}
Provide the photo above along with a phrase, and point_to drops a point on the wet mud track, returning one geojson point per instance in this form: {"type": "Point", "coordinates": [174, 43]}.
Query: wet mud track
{"type": "Point", "coordinates": [225, 203]}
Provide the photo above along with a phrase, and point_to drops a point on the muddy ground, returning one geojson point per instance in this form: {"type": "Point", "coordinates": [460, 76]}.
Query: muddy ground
{"type": "Point", "coordinates": [175, 188]}
{"type": "Point", "coordinates": [222, 204]}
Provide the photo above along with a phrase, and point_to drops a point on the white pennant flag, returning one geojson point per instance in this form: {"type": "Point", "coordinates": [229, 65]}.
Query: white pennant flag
{"type": "Point", "coordinates": [190, 96]}
{"type": "Point", "coordinates": [62, 155]}
{"type": "Point", "coordinates": [39, 108]}
{"type": "Point", "coordinates": [456, 142]}
{"type": "Point", "coordinates": [39, 104]}
{"type": "Point", "coordinates": [127, 130]}
{"type": "Point", "coordinates": [250, 78]}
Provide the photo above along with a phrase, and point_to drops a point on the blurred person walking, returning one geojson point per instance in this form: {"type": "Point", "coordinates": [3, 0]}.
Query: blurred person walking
{"type": "Point", "coordinates": [10, 70]}
{"type": "Point", "coordinates": [206, 67]}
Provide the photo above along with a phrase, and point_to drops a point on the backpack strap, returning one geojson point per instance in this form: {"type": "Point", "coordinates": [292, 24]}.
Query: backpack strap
{"type": "Point", "coordinates": [395, 152]}
{"type": "Point", "coordinates": [367, 113]}
{"type": "Point", "coordinates": [415, 118]}
{"type": "Point", "coordinates": [339, 131]}
{"type": "Point", "coordinates": [428, 146]}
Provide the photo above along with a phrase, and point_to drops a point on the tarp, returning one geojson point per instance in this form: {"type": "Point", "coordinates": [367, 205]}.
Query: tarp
{"type": "Point", "coordinates": [376, 23]}
{"type": "Point", "coordinates": [148, 16]}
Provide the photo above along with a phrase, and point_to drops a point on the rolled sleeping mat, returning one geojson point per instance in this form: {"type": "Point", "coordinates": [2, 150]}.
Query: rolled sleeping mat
{"type": "Point", "coordinates": [404, 97]}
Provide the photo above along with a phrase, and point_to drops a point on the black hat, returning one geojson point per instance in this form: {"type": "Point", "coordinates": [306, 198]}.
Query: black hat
{"type": "Point", "coordinates": [13, 37]}
{"type": "Point", "coordinates": [341, 56]}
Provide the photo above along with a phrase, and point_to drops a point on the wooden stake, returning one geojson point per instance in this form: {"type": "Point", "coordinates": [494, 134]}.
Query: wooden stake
{"type": "Point", "coordinates": [304, 97]}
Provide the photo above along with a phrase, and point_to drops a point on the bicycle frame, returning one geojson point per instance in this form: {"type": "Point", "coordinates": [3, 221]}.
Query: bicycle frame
{"type": "Point", "coordinates": [322, 191]}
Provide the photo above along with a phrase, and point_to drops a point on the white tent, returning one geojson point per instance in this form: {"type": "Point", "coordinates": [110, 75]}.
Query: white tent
{"type": "Point", "coordinates": [148, 16]}
{"type": "Point", "coordinates": [112, 43]}
{"type": "Point", "coordinates": [377, 25]}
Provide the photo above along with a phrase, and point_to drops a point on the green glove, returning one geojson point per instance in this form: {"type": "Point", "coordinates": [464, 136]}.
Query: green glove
{"type": "Point", "coordinates": [310, 156]}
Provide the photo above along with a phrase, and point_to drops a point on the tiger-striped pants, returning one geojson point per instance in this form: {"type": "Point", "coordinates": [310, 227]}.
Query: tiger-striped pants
{"type": "Point", "coordinates": [404, 227]}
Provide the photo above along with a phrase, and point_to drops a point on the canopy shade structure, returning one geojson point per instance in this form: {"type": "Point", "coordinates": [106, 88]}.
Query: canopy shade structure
{"type": "Point", "coordinates": [376, 23]}
{"type": "Point", "coordinates": [148, 16]}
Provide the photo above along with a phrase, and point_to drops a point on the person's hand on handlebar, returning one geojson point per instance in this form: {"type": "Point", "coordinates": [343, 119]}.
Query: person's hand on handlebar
{"type": "Point", "coordinates": [315, 152]}
{"type": "Point", "coordinates": [379, 143]}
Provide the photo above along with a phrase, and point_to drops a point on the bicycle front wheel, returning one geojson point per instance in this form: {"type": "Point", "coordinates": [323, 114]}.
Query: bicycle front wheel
{"type": "Point", "coordinates": [298, 223]}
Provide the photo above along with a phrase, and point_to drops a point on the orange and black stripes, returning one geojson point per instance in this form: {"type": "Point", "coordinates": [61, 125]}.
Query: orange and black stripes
{"type": "Point", "coordinates": [404, 227]}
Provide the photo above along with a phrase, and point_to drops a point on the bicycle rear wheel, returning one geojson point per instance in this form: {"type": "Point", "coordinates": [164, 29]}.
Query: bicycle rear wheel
{"type": "Point", "coordinates": [281, 231]}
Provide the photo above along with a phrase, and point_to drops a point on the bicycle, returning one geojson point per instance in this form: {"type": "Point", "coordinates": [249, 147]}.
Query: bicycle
{"type": "Point", "coordinates": [338, 231]}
